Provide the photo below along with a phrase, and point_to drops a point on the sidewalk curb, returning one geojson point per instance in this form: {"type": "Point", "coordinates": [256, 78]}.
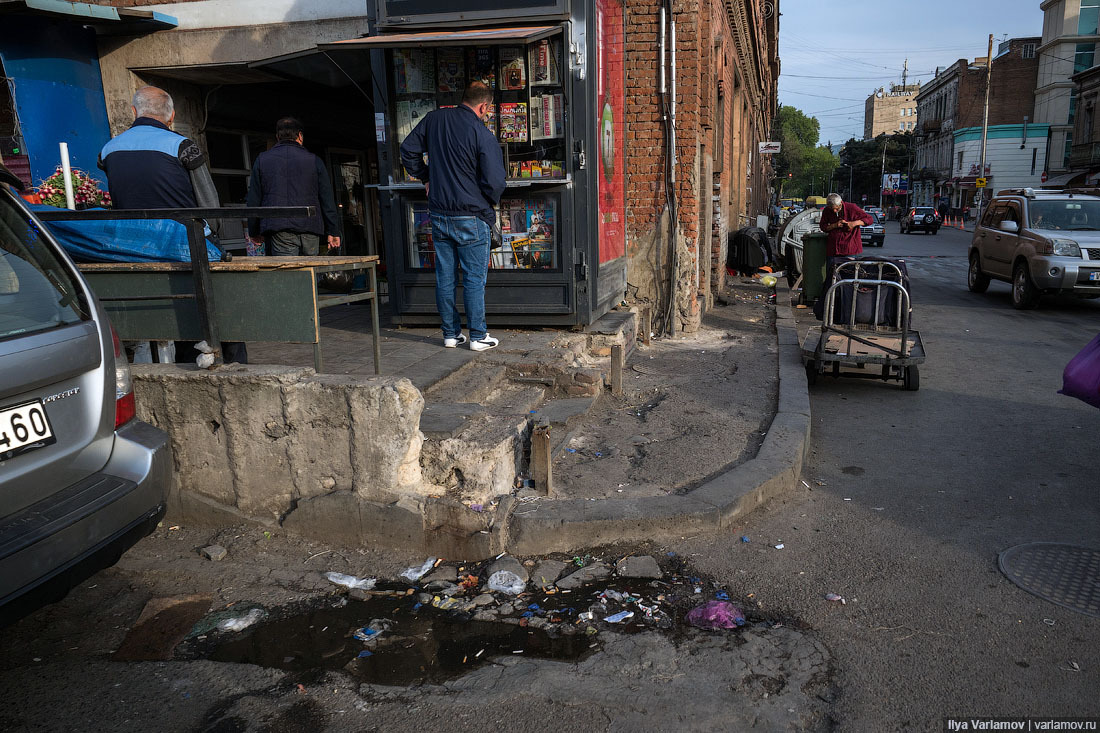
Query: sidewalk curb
{"type": "Point", "coordinates": [548, 525]}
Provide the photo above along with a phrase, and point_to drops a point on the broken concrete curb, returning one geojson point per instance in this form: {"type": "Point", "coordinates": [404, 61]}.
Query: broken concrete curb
{"type": "Point", "coordinates": [569, 525]}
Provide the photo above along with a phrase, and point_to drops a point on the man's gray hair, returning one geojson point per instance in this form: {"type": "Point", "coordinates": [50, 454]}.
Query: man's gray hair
{"type": "Point", "coordinates": [153, 102]}
{"type": "Point", "coordinates": [833, 199]}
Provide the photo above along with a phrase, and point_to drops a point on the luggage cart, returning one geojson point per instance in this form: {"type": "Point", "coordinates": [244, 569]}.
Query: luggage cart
{"type": "Point", "coordinates": [873, 328]}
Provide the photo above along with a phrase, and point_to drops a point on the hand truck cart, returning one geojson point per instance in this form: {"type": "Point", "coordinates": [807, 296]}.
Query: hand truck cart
{"type": "Point", "coordinates": [866, 323]}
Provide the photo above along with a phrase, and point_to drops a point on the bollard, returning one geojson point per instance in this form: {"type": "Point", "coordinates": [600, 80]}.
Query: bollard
{"type": "Point", "coordinates": [541, 470]}
{"type": "Point", "coordinates": [616, 370]}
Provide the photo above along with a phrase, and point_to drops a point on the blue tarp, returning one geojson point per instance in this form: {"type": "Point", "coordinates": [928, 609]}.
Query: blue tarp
{"type": "Point", "coordinates": [125, 240]}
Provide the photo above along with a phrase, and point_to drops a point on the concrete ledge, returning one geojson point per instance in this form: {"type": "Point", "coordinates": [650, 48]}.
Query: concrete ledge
{"type": "Point", "coordinates": [564, 526]}
{"type": "Point", "coordinates": [250, 442]}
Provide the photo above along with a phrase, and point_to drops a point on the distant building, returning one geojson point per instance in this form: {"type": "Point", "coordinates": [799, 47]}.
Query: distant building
{"type": "Point", "coordinates": [1084, 159]}
{"type": "Point", "coordinates": [950, 110]}
{"type": "Point", "coordinates": [890, 111]}
{"type": "Point", "coordinates": [1068, 47]}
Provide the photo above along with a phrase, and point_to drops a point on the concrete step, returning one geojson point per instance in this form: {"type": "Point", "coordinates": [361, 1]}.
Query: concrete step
{"type": "Point", "coordinates": [472, 382]}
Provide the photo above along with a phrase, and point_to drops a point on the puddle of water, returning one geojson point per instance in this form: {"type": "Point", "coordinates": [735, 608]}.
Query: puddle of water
{"type": "Point", "coordinates": [421, 646]}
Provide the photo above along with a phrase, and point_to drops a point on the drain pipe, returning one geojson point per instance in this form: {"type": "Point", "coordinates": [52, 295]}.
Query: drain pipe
{"type": "Point", "coordinates": [663, 96]}
{"type": "Point", "coordinates": [673, 212]}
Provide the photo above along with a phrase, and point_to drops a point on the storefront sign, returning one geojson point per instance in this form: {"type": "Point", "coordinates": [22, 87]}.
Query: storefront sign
{"type": "Point", "coordinates": [610, 101]}
{"type": "Point", "coordinates": [768, 148]}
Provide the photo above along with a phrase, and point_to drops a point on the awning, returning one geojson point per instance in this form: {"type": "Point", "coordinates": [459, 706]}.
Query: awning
{"type": "Point", "coordinates": [432, 39]}
{"type": "Point", "coordinates": [343, 63]}
{"type": "Point", "coordinates": [106, 20]}
{"type": "Point", "coordinates": [1064, 179]}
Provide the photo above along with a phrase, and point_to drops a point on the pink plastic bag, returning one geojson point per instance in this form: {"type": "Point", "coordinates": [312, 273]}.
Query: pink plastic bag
{"type": "Point", "coordinates": [716, 615]}
{"type": "Point", "coordinates": [1081, 378]}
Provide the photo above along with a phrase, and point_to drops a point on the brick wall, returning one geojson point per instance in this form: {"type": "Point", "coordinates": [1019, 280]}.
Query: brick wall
{"type": "Point", "coordinates": [1012, 87]}
{"type": "Point", "coordinates": [714, 185]}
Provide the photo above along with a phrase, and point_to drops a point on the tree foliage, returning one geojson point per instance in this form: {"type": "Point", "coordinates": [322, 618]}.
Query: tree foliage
{"type": "Point", "coordinates": [802, 167]}
{"type": "Point", "coordinates": [865, 157]}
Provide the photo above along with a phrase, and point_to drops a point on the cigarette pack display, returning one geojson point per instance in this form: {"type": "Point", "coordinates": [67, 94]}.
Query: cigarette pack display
{"type": "Point", "coordinates": [414, 71]}
{"type": "Point", "coordinates": [481, 66]}
{"type": "Point", "coordinates": [451, 70]}
{"type": "Point", "coordinates": [490, 119]}
{"type": "Point", "coordinates": [544, 60]}
{"type": "Point", "coordinates": [513, 122]}
{"type": "Point", "coordinates": [513, 73]}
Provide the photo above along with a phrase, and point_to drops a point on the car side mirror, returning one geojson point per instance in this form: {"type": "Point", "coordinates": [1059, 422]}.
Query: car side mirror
{"type": "Point", "coordinates": [1009, 226]}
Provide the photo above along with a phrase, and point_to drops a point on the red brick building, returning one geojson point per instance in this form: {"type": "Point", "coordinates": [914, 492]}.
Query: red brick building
{"type": "Point", "coordinates": [727, 69]}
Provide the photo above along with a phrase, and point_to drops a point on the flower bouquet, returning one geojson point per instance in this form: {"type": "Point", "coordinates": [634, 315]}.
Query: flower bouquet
{"type": "Point", "coordinates": [86, 193]}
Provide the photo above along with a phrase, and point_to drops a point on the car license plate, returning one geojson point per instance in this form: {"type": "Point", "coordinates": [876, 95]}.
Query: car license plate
{"type": "Point", "coordinates": [23, 428]}
{"type": "Point", "coordinates": [1094, 275]}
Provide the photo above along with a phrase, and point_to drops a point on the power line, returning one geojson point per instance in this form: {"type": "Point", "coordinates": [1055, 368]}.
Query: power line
{"type": "Point", "coordinates": [823, 96]}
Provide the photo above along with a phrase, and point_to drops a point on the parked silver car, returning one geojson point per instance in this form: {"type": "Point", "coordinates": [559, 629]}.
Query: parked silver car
{"type": "Point", "coordinates": [80, 479]}
{"type": "Point", "coordinates": [1041, 242]}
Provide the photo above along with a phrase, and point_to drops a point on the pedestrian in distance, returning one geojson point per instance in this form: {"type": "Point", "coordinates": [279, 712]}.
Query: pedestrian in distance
{"type": "Point", "coordinates": [151, 167]}
{"type": "Point", "coordinates": [464, 179]}
{"type": "Point", "coordinates": [290, 175]}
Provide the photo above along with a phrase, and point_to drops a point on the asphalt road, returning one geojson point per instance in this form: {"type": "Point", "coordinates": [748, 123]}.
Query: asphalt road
{"type": "Point", "coordinates": [911, 497]}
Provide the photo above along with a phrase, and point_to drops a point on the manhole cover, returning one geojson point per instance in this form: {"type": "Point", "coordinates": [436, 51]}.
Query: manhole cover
{"type": "Point", "coordinates": [693, 368]}
{"type": "Point", "coordinates": [1064, 574]}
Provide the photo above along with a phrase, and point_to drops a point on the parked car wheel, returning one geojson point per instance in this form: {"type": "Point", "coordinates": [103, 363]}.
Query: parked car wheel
{"type": "Point", "coordinates": [935, 230]}
{"type": "Point", "coordinates": [976, 280]}
{"type": "Point", "coordinates": [1025, 296]}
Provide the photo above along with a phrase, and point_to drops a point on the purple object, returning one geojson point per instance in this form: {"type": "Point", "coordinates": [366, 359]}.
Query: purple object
{"type": "Point", "coordinates": [716, 615]}
{"type": "Point", "coordinates": [1081, 378]}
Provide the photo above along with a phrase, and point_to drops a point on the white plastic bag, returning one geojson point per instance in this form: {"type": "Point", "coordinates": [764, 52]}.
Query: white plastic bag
{"type": "Point", "coordinates": [241, 623]}
{"type": "Point", "coordinates": [505, 581]}
{"type": "Point", "coordinates": [351, 582]}
{"type": "Point", "coordinates": [415, 574]}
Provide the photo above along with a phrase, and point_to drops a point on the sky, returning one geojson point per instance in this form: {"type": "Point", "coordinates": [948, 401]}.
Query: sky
{"type": "Point", "coordinates": [834, 53]}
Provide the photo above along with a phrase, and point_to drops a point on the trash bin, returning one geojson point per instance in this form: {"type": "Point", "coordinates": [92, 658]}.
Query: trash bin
{"type": "Point", "coordinates": [814, 247]}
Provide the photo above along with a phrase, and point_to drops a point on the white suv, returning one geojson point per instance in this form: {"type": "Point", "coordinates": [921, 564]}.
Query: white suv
{"type": "Point", "coordinates": [1041, 242]}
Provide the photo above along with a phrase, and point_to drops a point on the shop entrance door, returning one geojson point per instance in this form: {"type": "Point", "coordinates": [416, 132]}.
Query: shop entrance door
{"type": "Point", "coordinates": [357, 218]}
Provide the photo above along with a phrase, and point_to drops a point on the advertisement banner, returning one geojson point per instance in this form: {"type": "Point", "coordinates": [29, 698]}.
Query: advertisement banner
{"type": "Point", "coordinates": [610, 110]}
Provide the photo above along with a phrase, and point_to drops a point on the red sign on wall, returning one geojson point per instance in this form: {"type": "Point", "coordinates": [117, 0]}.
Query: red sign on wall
{"type": "Point", "coordinates": [610, 110]}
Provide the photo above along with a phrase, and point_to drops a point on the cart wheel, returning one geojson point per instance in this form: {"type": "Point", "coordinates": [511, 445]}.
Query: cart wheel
{"type": "Point", "coordinates": [911, 381]}
{"type": "Point", "coordinates": [811, 372]}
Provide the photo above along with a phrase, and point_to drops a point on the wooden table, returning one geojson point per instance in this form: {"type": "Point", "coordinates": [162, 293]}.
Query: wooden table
{"type": "Point", "coordinates": [258, 299]}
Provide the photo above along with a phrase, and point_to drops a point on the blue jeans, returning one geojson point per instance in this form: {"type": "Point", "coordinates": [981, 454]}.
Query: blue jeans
{"type": "Point", "coordinates": [461, 241]}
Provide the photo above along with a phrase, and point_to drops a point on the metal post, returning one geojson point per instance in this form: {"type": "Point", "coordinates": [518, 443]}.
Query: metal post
{"type": "Point", "coordinates": [616, 370]}
{"type": "Point", "coordinates": [541, 465]}
{"type": "Point", "coordinates": [67, 176]}
{"type": "Point", "coordinates": [374, 318]}
{"type": "Point", "coordinates": [204, 294]}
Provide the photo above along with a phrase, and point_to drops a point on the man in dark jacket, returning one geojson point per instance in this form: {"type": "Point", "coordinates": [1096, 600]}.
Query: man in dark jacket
{"type": "Point", "coordinates": [464, 183]}
{"type": "Point", "coordinates": [290, 175]}
{"type": "Point", "coordinates": [151, 167]}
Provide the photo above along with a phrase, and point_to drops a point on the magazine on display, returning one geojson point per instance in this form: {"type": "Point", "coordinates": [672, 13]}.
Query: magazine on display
{"type": "Point", "coordinates": [544, 61]}
{"type": "Point", "coordinates": [414, 71]}
{"type": "Point", "coordinates": [451, 70]}
{"type": "Point", "coordinates": [513, 71]}
{"type": "Point", "coordinates": [513, 122]}
{"type": "Point", "coordinates": [482, 66]}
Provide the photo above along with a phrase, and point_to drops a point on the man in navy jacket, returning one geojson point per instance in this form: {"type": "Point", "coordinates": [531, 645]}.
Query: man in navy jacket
{"type": "Point", "coordinates": [464, 182]}
{"type": "Point", "coordinates": [290, 175]}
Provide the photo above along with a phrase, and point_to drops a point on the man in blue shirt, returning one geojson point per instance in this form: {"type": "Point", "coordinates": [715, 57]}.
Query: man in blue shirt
{"type": "Point", "coordinates": [465, 181]}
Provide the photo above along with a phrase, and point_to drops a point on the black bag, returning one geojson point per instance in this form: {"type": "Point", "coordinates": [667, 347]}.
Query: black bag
{"type": "Point", "coordinates": [748, 250]}
{"type": "Point", "coordinates": [865, 295]}
{"type": "Point", "coordinates": [337, 282]}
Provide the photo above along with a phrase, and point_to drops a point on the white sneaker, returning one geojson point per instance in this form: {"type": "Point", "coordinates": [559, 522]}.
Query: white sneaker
{"type": "Point", "coordinates": [456, 341]}
{"type": "Point", "coordinates": [484, 343]}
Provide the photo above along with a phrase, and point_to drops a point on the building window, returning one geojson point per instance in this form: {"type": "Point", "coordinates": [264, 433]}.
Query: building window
{"type": "Point", "coordinates": [1027, 51]}
{"type": "Point", "coordinates": [1068, 150]}
{"type": "Point", "coordinates": [1083, 57]}
{"type": "Point", "coordinates": [1034, 155]}
{"type": "Point", "coordinates": [1088, 18]}
{"type": "Point", "coordinates": [1072, 106]}
{"type": "Point", "coordinates": [960, 160]}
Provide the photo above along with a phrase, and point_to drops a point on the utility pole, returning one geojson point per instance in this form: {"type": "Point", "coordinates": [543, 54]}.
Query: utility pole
{"type": "Point", "coordinates": [904, 75]}
{"type": "Point", "coordinates": [985, 120]}
{"type": "Point", "coordinates": [882, 172]}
